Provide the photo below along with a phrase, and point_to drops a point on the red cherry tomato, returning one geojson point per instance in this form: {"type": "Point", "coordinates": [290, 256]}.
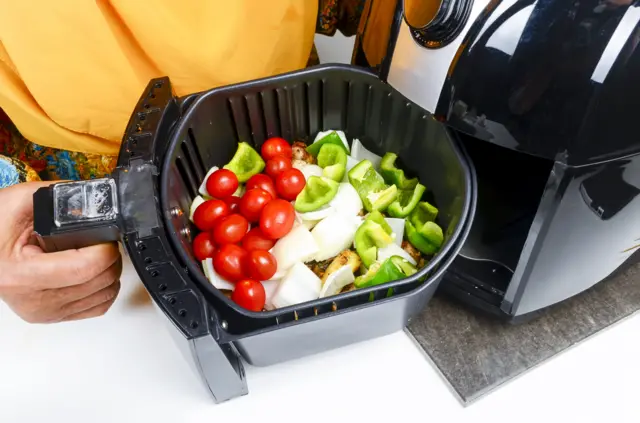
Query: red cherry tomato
{"type": "Point", "coordinates": [252, 203]}
{"type": "Point", "coordinates": [228, 262]}
{"type": "Point", "coordinates": [203, 246]}
{"type": "Point", "coordinates": [276, 147]}
{"type": "Point", "coordinates": [233, 202]}
{"type": "Point", "coordinates": [277, 165]}
{"type": "Point", "coordinates": [230, 229]}
{"type": "Point", "coordinates": [249, 294]}
{"type": "Point", "coordinates": [276, 219]}
{"type": "Point", "coordinates": [262, 181]}
{"type": "Point", "coordinates": [209, 212]}
{"type": "Point", "coordinates": [256, 240]}
{"type": "Point", "coordinates": [222, 183]}
{"type": "Point", "coordinates": [290, 183]}
{"type": "Point", "coordinates": [260, 265]}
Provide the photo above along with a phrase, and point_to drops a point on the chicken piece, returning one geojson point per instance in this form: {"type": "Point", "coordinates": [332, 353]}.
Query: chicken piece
{"type": "Point", "coordinates": [348, 288]}
{"type": "Point", "coordinates": [300, 153]}
{"type": "Point", "coordinates": [347, 257]}
{"type": "Point", "coordinates": [227, 293]}
{"type": "Point", "coordinates": [318, 267]}
{"type": "Point", "coordinates": [413, 251]}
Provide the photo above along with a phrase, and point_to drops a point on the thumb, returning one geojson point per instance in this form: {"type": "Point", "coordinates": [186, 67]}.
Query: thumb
{"type": "Point", "coordinates": [63, 268]}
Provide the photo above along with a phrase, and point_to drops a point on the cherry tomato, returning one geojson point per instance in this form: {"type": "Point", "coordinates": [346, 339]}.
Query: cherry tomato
{"type": "Point", "coordinates": [209, 212]}
{"type": "Point", "coordinates": [249, 294]}
{"type": "Point", "coordinates": [222, 183]}
{"type": "Point", "coordinates": [290, 183]}
{"type": "Point", "coordinates": [252, 203]}
{"type": "Point", "coordinates": [260, 265]}
{"type": "Point", "coordinates": [275, 147]}
{"type": "Point", "coordinates": [277, 165]}
{"type": "Point", "coordinates": [203, 246]}
{"type": "Point", "coordinates": [228, 262]}
{"type": "Point", "coordinates": [233, 202]}
{"type": "Point", "coordinates": [256, 240]}
{"type": "Point", "coordinates": [262, 181]}
{"type": "Point", "coordinates": [230, 229]}
{"type": "Point", "coordinates": [276, 219]}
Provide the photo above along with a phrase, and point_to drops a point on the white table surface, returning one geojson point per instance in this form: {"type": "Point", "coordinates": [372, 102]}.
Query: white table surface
{"type": "Point", "coordinates": [124, 367]}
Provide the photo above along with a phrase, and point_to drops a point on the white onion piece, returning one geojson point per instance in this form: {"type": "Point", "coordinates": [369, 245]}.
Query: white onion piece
{"type": "Point", "coordinates": [360, 153]}
{"type": "Point", "coordinates": [296, 246]}
{"type": "Point", "coordinates": [351, 163]}
{"type": "Point", "coordinates": [397, 226]}
{"type": "Point", "coordinates": [240, 191]}
{"type": "Point", "coordinates": [298, 286]}
{"type": "Point", "coordinates": [336, 281]}
{"type": "Point", "coordinates": [307, 169]}
{"type": "Point", "coordinates": [270, 288]}
{"type": "Point", "coordinates": [334, 234]}
{"type": "Point", "coordinates": [203, 186]}
{"type": "Point", "coordinates": [319, 214]}
{"type": "Point", "coordinates": [341, 134]}
{"type": "Point", "coordinates": [194, 205]}
{"type": "Point", "coordinates": [215, 279]}
{"type": "Point", "coordinates": [346, 201]}
{"type": "Point", "coordinates": [394, 250]}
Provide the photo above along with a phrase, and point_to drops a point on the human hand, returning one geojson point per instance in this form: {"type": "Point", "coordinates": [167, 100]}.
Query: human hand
{"type": "Point", "coordinates": [51, 287]}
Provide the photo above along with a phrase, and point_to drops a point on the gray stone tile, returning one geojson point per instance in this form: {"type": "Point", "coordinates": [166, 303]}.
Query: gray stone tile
{"type": "Point", "coordinates": [476, 353]}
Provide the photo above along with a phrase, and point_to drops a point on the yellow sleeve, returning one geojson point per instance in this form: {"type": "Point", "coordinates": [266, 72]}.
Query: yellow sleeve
{"type": "Point", "coordinates": [71, 71]}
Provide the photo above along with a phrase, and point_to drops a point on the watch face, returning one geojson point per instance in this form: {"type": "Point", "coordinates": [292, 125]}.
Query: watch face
{"type": "Point", "coordinates": [85, 201]}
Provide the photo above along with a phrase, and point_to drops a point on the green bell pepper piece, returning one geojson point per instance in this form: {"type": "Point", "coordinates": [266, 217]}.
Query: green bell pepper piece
{"type": "Point", "coordinates": [378, 218]}
{"type": "Point", "coordinates": [245, 163]}
{"type": "Point", "coordinates": [330, 138]}
{"type": "Point", "coordinates": [423, 213]}
{"type": "Point", "coordinates": [428, 238]}
{"type": "Point", "coordinates": [317, 192]}
{"type": "Point", "coordinates": [393, 175]}
{"type": "Point", "coordinates": [373, 192]}
{"type": "Point", "coordinates": [392, 269]}
{"type": "Point", "coordinates": [333, 160]}
{"type": "Point", "coordinates": [406, 202]}
{"type": "Point", "coordinates": [369, 237]}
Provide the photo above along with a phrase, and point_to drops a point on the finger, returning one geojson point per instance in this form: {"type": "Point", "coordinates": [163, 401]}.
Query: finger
{"type": "Point", "coordinates": [105, 297]}
{"type": "Point", "coordinates": [69, 294]}
{"type": "Point", "coordinates": [26, 190]}
{"type": "Point", "coordinates": [65, 268]}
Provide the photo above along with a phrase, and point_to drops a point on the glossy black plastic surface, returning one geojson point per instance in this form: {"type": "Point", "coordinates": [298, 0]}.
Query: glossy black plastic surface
{"type": "Point", "coordinates": [553, 78]}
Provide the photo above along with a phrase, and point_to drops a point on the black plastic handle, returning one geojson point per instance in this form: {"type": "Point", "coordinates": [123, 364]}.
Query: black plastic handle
{"type": "Point", "coordinates": [72, 215]}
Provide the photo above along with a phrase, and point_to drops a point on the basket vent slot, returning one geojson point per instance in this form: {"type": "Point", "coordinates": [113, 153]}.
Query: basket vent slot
{"type": "Point", "coordinates": [192, 160]}
{"type": "Point", "coordinates": [187, 177]}
{"type": "Point", "coordinates": [195, 154]}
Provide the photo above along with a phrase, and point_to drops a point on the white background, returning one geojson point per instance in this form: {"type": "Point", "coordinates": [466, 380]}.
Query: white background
{"type": "Point", "coordinates": [124, 367]}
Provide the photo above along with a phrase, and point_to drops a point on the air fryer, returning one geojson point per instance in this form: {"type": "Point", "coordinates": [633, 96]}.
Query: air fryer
{"type": "Point", "coordinates": [543, 94]}
{"type": "Point", "coordinates": [169, 145]}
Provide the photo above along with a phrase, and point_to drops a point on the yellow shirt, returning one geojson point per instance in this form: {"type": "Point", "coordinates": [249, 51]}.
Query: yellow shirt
{"type": "Point", "coordinates": [71, 71]}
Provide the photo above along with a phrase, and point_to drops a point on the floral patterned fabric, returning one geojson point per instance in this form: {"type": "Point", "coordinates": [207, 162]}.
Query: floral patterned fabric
{"type": "Point", "coordinates": [24, 161]}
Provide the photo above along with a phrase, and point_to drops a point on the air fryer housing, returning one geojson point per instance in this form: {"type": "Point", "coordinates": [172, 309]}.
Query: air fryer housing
{"type": "Point", "coordinates": [544, 95]}
{"type": "Point", "coordinates": [169, 145]}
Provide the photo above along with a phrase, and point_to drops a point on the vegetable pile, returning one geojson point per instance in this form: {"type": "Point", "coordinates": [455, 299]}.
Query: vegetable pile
{"type": "Point", "coordinates": [295, 223]}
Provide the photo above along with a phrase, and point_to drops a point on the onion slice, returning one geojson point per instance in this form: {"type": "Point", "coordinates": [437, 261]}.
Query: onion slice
{"type": "Point", "coordinates": [346, 201]}
{"type": "Point", "coordinates": [203, 186]}
{"type": "Point", "coordinates": [336, 281]}
{"type": "Point", "coordinates": [394, 250]}
{"type": "Point", "coordinates": [397, 226]}
{"type": "Point", "coordinates": [270, 288]}
{"type": "Point", "coordinates": [319, 214]}
{"type": "Point", "coordinates": [296, 246]}
{"type": "Point", "coordinates": [334, 234]}
{"type": "Point", "coordinates": [359, 152]}
{"type": "Point", "coordinates": [215, 279]}
{"type": "Point", "coordinates": [197, 202]}
{"type": "Point", "coordinates": [298, 286]}
{"type": "Point", "coordinates": [307, 169]}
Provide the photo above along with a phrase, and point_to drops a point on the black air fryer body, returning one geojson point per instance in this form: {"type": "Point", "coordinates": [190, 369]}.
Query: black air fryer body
{"type": "Point", "coordinates": [545, 95]}
{"type": "Point", "coordinates": [170, 144]}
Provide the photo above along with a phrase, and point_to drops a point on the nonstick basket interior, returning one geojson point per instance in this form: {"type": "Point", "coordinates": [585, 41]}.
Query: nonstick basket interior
{"type": "Point", "coordinates": [296, 106]}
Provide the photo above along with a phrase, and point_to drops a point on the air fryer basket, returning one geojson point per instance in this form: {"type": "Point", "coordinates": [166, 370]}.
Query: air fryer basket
{"type": "Point", "coordinates": [169, 145]}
